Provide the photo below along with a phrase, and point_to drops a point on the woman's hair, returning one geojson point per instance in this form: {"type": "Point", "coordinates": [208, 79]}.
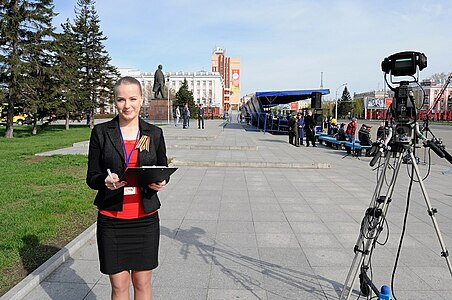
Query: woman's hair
{"type": "Point", "coordinates": [126, 80]}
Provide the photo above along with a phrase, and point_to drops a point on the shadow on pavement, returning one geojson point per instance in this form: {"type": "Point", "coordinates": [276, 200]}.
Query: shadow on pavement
{"type": "Point", "coordinates": [247, 271]}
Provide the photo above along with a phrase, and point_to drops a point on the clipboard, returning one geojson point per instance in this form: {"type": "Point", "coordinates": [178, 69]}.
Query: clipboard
{"type": "Point", "coordinates": [142, 176]}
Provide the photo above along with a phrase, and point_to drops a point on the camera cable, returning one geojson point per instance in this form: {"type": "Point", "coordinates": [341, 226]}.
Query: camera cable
{"type": "Point", "coordinates": [402, 235]}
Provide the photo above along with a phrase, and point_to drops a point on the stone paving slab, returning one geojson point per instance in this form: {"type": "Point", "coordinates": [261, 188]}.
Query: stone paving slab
{"type": "Point", "coordinates": [269, 232]}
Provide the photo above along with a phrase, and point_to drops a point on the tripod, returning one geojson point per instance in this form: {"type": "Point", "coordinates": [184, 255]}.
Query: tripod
{"type": "Point", "coordinates": [374, 219]}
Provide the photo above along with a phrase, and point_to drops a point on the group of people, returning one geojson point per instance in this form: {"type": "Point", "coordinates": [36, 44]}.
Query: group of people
{"type": "Point", "coordinates": [364, 133]}
{"type": "Point", "coordinates": [299, 126]}
{"type": "Point", "coordinates": [185, 114]}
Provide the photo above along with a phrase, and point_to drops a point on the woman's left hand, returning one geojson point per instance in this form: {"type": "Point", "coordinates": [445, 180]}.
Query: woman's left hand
{"type": "Point", "coordinates": [157, 186]}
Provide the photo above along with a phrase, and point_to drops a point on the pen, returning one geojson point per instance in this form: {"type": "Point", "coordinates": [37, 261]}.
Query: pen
{"type": "Point", "coordinates": [111, 177]}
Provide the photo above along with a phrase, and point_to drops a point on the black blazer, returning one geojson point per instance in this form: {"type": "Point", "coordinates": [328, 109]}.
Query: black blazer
{"type": "Point", "coordinates": [106, 152]}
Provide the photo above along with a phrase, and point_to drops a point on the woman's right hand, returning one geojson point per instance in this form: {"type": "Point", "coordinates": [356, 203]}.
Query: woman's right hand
{"type": "Point", "coordinates": [112, 182]}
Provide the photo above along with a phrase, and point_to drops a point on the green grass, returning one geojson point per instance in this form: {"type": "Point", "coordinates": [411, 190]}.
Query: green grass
{"type": "Point", "coordinates": [44, 201]}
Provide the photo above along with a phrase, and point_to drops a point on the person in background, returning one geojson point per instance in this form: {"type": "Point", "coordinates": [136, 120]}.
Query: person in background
{"type": "Point", "coordinates": [326, 123]}
{"type": "Point", "coordinates": [300, 124]}
{"type": "Point", "coordinates": [294, 129]}
{"type": "Point", "coordinates": [351, 129]}
{"type": "Point", "coordinates": [364, 135]}
{"type": "Point", "coordinates": [309, 128]}
{"type": "Point", "coordinates": [177, 116]}
{"type": "Point", "coordinates": [187, 115]}
{"type": "Point", "coordinates": [341, 136]}
{"type": "Point", "coordinates": [184, 116]}
{"type": "Point", "coordinates": [128, 229]}
{"type": "Point", "coordinates": [382, 131]}
{"type": "Point", "coordinates": [291, 123]}
{"type": "Point", "coordinates": [332, 129]}
{"type": "Point", "coordinates": [200, 116]}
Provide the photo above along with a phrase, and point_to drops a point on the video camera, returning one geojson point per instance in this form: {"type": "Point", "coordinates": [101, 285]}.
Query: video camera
{"type": "Point", "coordinates": [403, 109]}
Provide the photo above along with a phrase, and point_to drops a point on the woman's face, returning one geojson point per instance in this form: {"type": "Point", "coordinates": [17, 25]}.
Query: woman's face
{"type": "Point", "coordinates": [128, 101]}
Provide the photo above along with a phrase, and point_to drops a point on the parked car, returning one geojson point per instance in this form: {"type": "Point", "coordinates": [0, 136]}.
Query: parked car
{"type": "Point", "coordinates": [19, 118]}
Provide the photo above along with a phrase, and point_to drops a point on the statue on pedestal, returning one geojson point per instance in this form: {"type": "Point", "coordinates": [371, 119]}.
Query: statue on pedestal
{"type": "Point", "coordinates": [159, 83]}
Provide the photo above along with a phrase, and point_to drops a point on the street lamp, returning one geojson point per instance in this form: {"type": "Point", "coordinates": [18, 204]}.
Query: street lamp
{"type": "Point", "coordinates": [168, 79]}
{"type": "Point", "coordinates": [335, 108]}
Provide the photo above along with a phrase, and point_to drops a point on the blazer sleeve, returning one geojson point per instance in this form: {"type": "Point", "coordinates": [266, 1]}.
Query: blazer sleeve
{"type": "Point", "coordinates": [162, 159]}
{"type": "Point", "coordinates": [95, 177]}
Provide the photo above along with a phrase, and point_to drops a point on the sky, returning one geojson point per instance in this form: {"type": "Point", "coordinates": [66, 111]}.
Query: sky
{"type": "Point", "coordinates": [282, 44]}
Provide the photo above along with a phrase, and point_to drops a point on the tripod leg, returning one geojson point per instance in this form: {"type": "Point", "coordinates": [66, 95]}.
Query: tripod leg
{"type": "Point", "coordinates": [431, 211]}
{"type": "Point", "coordinates": [370, 229]}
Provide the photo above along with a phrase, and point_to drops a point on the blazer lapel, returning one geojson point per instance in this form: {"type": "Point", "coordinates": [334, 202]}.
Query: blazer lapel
{"type": "Point", "coordinates": [115, 137]}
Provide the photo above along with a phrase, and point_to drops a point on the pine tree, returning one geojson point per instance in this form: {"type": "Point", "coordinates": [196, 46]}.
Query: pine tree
{"type": "Point", "coordinates": [26, 39]}
{"type": "Point", "coordinates": [184, 95]}
{"type": "Point", "coordinates": [67, 74]}
{"type": "Point", "coordinates": [94, 64]}
{"type": "Point", "coordinates": [344, 105]}
{"type": "Point", "coordinates": [40, 100]}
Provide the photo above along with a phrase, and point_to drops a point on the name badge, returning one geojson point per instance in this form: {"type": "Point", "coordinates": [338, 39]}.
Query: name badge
{"type": "Point", "coordinates": [130, 190]}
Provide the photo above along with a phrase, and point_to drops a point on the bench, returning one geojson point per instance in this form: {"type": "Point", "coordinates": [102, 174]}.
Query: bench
{"type": "Point", "coordinates": [356, 147]}
{"type": "Point", "coordinates": [331, 141]}
{"type": "Point", "coordinates": [318, 134]}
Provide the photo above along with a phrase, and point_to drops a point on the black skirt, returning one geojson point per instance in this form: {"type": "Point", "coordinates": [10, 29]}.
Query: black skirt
{"type": "Point", "coordinates": [127, 244]}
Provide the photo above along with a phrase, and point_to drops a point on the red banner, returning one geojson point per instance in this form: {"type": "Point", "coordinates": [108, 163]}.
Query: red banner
{"type": "Point", "coordinates": [388, 102]}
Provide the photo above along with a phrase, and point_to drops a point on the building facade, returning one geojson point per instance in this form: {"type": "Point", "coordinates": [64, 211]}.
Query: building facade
{"type": "Point", "coordinates": [376, 103]}
{"type": "Point", "coordinates": [207, 87]}
{"type": "Point", "coordinates": [229, 69]}
{"type": "Point", "coordinates": [429, 93]}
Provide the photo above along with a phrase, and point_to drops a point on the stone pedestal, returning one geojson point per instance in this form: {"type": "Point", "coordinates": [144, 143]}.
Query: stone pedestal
{"type": "Point", "coordinates": [157, 109]}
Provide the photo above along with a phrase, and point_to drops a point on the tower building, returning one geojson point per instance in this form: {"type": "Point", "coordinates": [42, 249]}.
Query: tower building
{"type": "Point", "coordinates": [229, 69]}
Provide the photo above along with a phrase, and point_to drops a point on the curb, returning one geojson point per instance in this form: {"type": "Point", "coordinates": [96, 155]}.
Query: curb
{"type": "Point", "coordinates": [81, 144]}
{"type": "Point", "coordinates": [190, 137]}
{"type": "Point", "coordinates": [24, 287]}
{"type": "Point", "coordinates": [212, 147]}
{"type": "Point", "coordinates": [247, 164]}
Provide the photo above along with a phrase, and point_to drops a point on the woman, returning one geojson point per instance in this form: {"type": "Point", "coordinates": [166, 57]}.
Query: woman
{"type": "Point", "coordinates": [176, 119]}
{"type": "Point", "coordinates": [300, 124]}
{"type": "Point", "coordinates": [128, 224]}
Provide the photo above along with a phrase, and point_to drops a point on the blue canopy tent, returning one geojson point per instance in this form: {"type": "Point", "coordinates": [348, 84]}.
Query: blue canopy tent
{"type": "Point", "coordinates": [283, 97]}
{"type": "Point", "coordinates": [254, 108]}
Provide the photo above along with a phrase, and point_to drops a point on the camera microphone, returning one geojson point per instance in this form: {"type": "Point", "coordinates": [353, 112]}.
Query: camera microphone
{"type": "Point", "coordinates": [380, 147]}
{"type": "Point", "coordinates": [435, 148]}
{"type": "Point", "coordinates": [447, 156]}
{"type": "Point", "coordinates": [438, 147]}
{"type": "Point", "coordinates": [374, 148]}
{"type": "Point", "coordinates": [376, 157]}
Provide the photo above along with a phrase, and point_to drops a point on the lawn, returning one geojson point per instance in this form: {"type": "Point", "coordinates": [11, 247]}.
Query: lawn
{"type": "Point", "coordinates": [44, 201]}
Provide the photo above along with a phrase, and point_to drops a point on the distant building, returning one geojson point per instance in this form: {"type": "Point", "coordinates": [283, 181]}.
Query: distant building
{"type": "Point", "coordinates": [377, 102]}
{"type": "Point", "coordinates": [431, 90]}
{"type": "Point", "coordinates": [229, 69]}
